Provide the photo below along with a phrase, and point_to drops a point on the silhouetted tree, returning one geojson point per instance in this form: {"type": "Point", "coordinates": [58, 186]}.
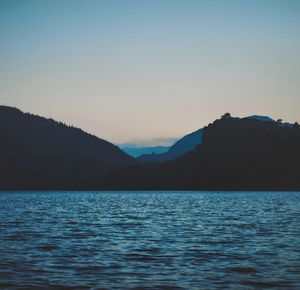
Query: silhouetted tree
{"type": "Point", "coordinates": [226, 116]}
{"type": "Point", "coordinates": [296, 125]}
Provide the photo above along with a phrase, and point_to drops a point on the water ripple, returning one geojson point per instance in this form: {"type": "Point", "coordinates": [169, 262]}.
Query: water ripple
{"type": "Point", "coordinates": [149, 240]}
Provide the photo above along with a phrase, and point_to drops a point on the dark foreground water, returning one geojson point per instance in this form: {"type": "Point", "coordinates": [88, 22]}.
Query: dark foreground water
{"type": "Point", "coordinates": [149, 240]}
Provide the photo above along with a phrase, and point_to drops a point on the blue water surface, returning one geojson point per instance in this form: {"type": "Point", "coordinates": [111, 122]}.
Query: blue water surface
{"type": "Point", "coordinates": [149, 240]}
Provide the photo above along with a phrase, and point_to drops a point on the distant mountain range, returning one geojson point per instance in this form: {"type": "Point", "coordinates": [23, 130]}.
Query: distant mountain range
{"type": "Point", "coordinates": [181, 147]}
{"type": "Point", "coordinates": [136, 150]}
{"type": "Point", "coordinates": [231, 153]}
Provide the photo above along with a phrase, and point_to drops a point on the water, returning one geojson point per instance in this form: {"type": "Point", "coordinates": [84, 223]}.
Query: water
{"type": "Point", "coordinates": [149, 240]}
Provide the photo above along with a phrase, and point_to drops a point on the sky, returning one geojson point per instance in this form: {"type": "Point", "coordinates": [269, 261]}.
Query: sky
{"type": "Point", "coordinates": [150, 70]}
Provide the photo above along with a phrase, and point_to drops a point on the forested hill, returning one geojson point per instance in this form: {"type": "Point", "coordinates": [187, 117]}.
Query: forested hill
{"type": "Point", "coordinates": [39, 152]}
{"type": "Point", "coordinates": [234, 154]}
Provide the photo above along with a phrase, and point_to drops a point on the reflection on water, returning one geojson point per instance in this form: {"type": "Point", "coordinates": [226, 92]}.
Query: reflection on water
{"type": "Point", "coordinates": [150, 240]}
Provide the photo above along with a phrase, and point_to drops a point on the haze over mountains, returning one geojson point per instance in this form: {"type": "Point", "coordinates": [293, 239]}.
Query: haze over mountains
{"type": "Point", "coordinates": [179, 148]}
{"type": "Point", "coordinates": [137, 150]}
{"type": "Point", "coordinates": [231, 153]}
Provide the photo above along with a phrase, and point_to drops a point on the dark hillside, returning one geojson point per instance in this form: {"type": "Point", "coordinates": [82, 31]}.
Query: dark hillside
{"type": "Point", "coordinates": [38, 151]}
{"type": "Point", "coordinates": [234, 154]}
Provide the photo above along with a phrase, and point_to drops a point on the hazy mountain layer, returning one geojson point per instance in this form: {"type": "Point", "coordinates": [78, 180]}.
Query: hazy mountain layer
{"type": "Point", "coordinates": [136, 151]}
{"type": "Point", "coordinates": [181, 147]}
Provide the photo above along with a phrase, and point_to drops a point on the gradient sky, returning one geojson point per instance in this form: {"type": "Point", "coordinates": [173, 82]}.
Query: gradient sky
{"type": "Point", "coordinates": [141, 70]}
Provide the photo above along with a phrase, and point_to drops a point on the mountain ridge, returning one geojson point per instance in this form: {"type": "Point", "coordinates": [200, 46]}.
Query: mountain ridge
{"type": "Point", "coordinates": [34, 147]}
{"type": "Point", "coordinates": [179, 148]}
{"type": "Point", "coordinates": [234, 154]}
{"type": "Point", "coordinates": [188, 143]}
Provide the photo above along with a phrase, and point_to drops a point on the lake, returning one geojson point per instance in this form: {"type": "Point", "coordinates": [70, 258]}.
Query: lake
{"type": "Point", "coordinates": [149, 240]}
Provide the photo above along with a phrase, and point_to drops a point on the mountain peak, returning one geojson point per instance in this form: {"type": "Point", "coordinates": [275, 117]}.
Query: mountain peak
{"type": "Point", "coordinates": [261, 118]}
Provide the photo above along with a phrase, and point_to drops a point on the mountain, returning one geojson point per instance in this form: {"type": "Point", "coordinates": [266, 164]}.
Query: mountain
{"type": "Point", "coordinates": [181, 147]}
{"type": "Point", "coordinates": [261, 118]}
{"type": "Point", "coordinates": [235, 154]}
{"type": "Point", "coordinates": [229, 154]}
{"type": "Point", "coordinates": [187, 144]}
{"type": "Point", "coordinates": [40, 152]}
{"type": "Point", "coordinates": [136, 151]}
{"type": "Point", "coordinates": [268, 119]}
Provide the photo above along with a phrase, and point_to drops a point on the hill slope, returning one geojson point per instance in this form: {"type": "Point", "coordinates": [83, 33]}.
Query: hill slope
{"type": "Point", "coordinates": [42, 152]}
{"type": "Point", "coordinates": [186, 144]}
{"type": "Point", "coordinates": [179, 148]}
{"type": "Point", "coordinates": [235, 153]}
